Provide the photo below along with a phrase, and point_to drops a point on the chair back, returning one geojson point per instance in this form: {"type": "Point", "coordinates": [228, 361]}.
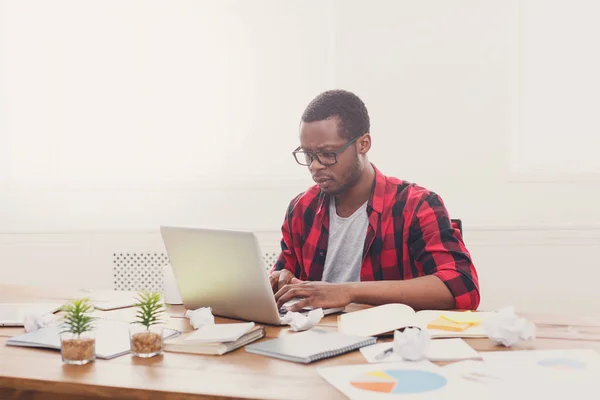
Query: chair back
{"type": "Point", "coordinates": [457, 224]}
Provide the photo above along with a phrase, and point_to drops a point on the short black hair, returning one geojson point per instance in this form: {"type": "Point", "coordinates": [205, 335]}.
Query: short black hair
{"type": "Point", "coordinates": [348, 107]}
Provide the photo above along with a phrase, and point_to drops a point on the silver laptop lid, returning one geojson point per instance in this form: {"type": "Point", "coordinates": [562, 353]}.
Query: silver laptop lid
{"type": "Point", "coordinates": [221, 269]}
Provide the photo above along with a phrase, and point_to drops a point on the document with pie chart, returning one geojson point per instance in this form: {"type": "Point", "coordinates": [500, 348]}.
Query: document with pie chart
{"type": "Point", "coordinates": [546, 374]}
{"type": "Point", "coordinates": [397, 380]}
{"type": "Point", "coordinates": [556, 363]}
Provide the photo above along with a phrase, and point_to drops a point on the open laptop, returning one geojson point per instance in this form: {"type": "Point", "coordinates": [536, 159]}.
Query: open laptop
{"type": "Point", "coordinates": [223, 270]}
{"type": "Point", "coordinates": [13, 314]}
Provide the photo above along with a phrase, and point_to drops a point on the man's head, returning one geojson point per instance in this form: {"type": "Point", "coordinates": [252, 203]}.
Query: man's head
{"type": "Point", "coordinates": [335, 126]}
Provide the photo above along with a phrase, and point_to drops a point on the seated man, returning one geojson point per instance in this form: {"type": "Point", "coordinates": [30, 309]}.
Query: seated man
{"type": "Point", "coordinates": [358, 236]}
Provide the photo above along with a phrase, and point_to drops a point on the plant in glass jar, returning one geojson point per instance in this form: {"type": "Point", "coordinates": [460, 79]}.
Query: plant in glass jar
{"type": "Point", "coordinates": [146, 332]}
{"type": "Point", "coordinates": [77, 338]}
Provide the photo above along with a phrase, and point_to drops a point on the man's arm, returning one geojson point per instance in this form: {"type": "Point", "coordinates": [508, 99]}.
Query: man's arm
{"type": "Point", "coordinates": [426, 292]}
{"type": "Point", "coordinates": [423, 293]}
{"type": "Point", "coordinates": [438, 250]}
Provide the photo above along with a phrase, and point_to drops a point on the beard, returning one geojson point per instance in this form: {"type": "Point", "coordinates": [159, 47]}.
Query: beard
{"type": "Point", "coordinates": [350, 179]}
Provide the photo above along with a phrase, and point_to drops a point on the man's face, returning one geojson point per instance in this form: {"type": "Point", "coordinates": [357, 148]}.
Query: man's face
{"type": "Point", "coordinates": [321, 137]}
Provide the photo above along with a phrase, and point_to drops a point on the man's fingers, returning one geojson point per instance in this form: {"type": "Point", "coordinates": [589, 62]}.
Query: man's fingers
{"type": "Point", "coordinates": [282, 290]}
{"type": "Point", "coordinates": [295, 281]}
{"type": "Point", "coordinates": [292, 293]}
{"type": "Point", "coordinates": [284, 277]}
{"type": "Point", "coordinates": [299, 305]}
{"type": "Point", "coordinates": [273, 278]}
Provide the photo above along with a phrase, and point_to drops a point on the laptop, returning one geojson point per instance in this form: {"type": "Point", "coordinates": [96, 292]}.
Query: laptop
{"type": "Point", "coordinates": [13, 314]}
{"type": "Point", "coordinates": [223, 270]}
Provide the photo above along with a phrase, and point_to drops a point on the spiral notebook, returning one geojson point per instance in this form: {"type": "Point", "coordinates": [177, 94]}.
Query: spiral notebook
{"type": "Point", "coordinates": [309, 346]}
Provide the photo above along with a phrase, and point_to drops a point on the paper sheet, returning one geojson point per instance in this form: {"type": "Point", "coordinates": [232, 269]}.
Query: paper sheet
{"type": "Point", "coordinates": [418, 380]}
{"type": "Point", "coordinates": [555, 374]}
{"type": "Point", "coordinates": [438, 350]}
{"type": "Point", "coordinates": [109, 299]}
{"type": "Point", "coordinates": [474, 371]}
{"type": "Point", "coordinates": [563, 362]}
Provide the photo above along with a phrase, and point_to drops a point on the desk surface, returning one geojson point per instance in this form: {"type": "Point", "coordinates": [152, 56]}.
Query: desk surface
{"type": "Point", "coordinates": [34, 373]}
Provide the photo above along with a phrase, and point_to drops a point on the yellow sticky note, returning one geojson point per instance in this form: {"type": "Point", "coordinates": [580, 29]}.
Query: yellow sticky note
{"type": "Point", "coordinates": [443, 324]}
{"type": "Point", "coordinates": [466, 317]}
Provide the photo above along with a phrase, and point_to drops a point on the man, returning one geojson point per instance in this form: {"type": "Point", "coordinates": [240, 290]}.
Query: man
{"type": "Point", "coordinates": [359, 236]}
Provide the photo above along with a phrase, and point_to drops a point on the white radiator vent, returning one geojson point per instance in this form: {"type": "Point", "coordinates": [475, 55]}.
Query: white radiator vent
{"type": "Point", "coordinates": [144, 271]}
{"type": "Point", "coordinates": [270, 258]}
{"type": "Point", "coordinates": [138, 271]}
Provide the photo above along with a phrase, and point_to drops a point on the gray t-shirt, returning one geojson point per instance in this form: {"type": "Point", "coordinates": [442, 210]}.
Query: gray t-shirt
{"type": "Point", "coordinates": [345, 247]}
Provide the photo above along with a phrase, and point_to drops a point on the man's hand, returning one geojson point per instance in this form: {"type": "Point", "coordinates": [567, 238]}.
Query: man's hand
{"type": "Point", "coordinates": [281, 278]}
{"type": "Point", "coordinates": [314, 294]}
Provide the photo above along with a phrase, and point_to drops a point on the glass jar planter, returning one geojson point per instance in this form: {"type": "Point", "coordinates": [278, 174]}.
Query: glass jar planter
{"type": "Point", "coordinates": [78, 349]}
{"type": "Point", "coordinates": [146, 342]}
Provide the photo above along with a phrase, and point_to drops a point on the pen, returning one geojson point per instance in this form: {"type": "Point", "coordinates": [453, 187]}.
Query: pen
{"type": "Point", "coordinates": [384, 353]}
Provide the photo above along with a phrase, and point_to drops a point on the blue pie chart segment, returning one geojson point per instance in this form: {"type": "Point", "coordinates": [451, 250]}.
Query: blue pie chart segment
{"type": "Point", "coordinates": [399, 381]}
{"type": "Point", "coordinates": [415, 381]}
{"type": "Point", "coordinates": [562, 363]}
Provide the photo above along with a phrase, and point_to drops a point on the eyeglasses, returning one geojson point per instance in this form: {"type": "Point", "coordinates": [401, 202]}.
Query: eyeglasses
{"type": "Point", "coordinates": [326, 158]}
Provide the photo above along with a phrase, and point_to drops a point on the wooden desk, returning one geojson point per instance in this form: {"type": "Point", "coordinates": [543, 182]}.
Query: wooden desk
{"type": "Point", "coordinates": [27, 373]}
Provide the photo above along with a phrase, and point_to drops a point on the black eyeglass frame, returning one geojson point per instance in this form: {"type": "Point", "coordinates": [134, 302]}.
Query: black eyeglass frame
{"type": "Point", "coordinates": [297, 152]}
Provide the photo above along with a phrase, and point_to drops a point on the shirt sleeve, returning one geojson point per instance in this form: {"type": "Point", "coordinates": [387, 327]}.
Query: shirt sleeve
{"type": "Point", "coordinates": [438, 249]}
{"type": "Point", "coordinates": [287, 257]}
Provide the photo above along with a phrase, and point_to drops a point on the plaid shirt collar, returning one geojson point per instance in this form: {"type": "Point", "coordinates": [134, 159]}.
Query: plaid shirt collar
{"type": "Point", "coordinates": [375, 199]}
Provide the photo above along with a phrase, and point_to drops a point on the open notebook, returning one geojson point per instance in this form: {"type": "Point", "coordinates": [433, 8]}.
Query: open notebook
{"type": "Point", "coordinates": [112, 338]}
{"type": "Point", "coordinates": [383, 320]}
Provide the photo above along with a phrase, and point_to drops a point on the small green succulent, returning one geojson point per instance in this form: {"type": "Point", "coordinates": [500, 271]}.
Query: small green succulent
{"type": "Point", "coordinates": [77, 318]}
{"type": "Point", "coordinates": [150, 308]}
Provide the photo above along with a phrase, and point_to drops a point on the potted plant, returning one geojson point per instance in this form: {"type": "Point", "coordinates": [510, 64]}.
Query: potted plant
{"type": "Point", "coordinates": [146, 333]}
{"type": "Point", "coordinates": [77, 339]}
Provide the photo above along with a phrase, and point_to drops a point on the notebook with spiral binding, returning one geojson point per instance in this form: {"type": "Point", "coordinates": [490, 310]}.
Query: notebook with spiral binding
{"type": "Point", "coordinates": [309, 346]}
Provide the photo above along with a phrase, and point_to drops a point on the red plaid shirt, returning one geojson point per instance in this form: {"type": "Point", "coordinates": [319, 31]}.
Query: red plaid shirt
{"type": "Point", "coordinates": [409, 235]}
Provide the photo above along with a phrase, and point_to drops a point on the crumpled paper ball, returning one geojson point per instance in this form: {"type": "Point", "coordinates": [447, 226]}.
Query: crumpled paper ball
{"type": "Point", "coordinates": [411, 343]}
{"type": "Point", "coordinates": [301, 322]}
{"type": "Point", "coordinates": [34, 322]}
{"type": "Point", "coordinates": [200, 317]}
{"type": "Point", "coordinates": [506, 328]}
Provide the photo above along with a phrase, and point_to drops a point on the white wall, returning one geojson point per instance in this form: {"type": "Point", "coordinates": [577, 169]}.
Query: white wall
{"type": "Point", "coordinates": [559, 89]}
{"type": "Point", "coordinates": [116, 118]}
